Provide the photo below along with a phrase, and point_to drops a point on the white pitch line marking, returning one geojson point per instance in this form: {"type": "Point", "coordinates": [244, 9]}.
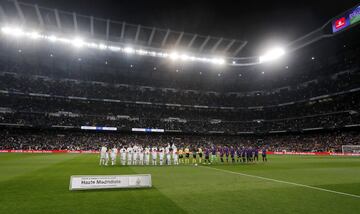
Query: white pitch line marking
{"type": "Point", "coordinates": [284, 182]}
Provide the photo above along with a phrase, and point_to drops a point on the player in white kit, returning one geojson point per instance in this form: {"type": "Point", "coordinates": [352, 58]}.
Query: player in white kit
{"type": "Point", "coordinates": [114, 152]}
{"type": "Point", "coordinates": [135, 155]}
{"type": "Point", "coordinates": [154, 155]}
{"type": "Point", "coordinates": [107, 156]}
{"type": "Point", "coordinates": [168, 154]}
{"type": "Point", "coordinates": [123, 155]}
{"type": "Point", "coordinates": [103, 150]}
{"type": "Point", "coordinates": [161, 155]}
{"type": "Point", "coordinates": [147, 156]}
{"type": "Point", "coordinates": [175, 155]}
{"type": "Point", "coordinates": [129, 152]}
{"type": "Point", "coordinates": [141, 155]}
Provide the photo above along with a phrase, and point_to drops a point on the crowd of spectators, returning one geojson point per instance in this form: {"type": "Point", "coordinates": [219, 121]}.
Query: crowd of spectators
{"type": "Point", "coordinates": [101, 90]}
{"type": "Point", "coordinates": [92, 141]}
{"type": "Point", "coordinates": [332, 121]}
{"type": "Point", "coordinates": [32, 96]}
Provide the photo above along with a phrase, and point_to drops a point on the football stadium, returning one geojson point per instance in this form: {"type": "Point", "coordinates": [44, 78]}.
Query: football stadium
{"type": "Point", "coordinates": [179, 106]}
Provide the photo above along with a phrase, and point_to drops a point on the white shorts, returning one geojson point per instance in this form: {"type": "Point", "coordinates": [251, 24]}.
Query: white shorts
{"type": "Point", "coordinates": [103, 155]}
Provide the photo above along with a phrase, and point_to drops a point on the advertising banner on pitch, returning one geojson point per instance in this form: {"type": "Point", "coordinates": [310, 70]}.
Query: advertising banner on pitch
{"type": "Point", "coordinates": [85, 182]}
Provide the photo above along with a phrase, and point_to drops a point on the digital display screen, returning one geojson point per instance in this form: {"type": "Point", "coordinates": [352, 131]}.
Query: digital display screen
{"type": "Point", "coordinates": [347, 19]}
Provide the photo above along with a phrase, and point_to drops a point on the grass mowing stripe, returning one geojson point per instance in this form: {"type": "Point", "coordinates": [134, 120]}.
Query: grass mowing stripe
{"type": "Point", "coordinates": [23, 164]}
{"type": "Point", "coordinates": [284, 182]}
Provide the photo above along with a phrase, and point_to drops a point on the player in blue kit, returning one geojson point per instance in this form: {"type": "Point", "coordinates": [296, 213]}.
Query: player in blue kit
{"type": "Point", "coordinates": [213, 154]}
{"type": "Point", "coordinates": [238, 154]}
{"type": "Point", "coordinates": [207, 156]}
{"type": "Point", "coordinates": [243, 155]}
{"type": "Point", "coordinates": [227, 153]}
{"type": "Point", "coordinates": [264, 158]}
{"type": "Point", "coordinates": [256, 154]}
{"type": "Point", "coordinates": [248, 154]}
{"type": "Point", "coordinates": [221, 151]}
{"type": "Point", "coordinates": [232, 154]}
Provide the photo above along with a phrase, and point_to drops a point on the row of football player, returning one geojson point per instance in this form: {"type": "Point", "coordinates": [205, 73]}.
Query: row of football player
{"type": "Point", "coordinates": [168, 155]}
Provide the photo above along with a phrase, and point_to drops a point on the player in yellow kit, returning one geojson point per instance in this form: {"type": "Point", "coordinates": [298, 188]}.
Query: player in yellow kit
{"type": "Point", "coordinates": [181, 156]}
{"type": "Point", "coordinates": [200, 152]}
{"type": "Point", "coordinates": [187, 155]}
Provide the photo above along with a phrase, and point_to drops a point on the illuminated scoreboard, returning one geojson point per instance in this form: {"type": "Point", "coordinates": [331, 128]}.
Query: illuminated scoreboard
{"type": "Point", "coordinates": [346, 20]}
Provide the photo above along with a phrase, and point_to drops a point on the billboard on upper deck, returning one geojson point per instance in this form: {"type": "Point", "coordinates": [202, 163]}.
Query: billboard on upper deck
{"type": "Point", "coordinates": [347, 19]}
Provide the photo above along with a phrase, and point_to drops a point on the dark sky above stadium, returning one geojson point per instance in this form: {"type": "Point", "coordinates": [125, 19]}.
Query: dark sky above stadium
{"type": "Point", "coordinates": [260, 22]}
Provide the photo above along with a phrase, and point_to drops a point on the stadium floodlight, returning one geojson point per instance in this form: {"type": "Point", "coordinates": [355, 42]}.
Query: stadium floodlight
{"type": "Point", "coordinates": [218, 61]}
{"type": "Point", "coordinates": [142, 52]}
{"type": "Point", "coordinates": [5, 30]}
{"type": "Point", "coordinates": [114, 48]}
{"type": "Point", "coordinates": [13, 31]}
{"type": "Point", "coordinates": [102, 46]}
{"type": "Point", "coordinates": [129, 50]}
{"type": "Point", "coordinates": [78, 42]}
{"type": "Point", "coordinates": [160, 54]}
{"type": "Point", "coordinates": [34, 35]}
{"type": "Point", "coordinates": [92, 45]}
{"type": "Point", "coordinates": [184, 57]}
{"type": "Point", "coordinates": [272, 54]}
{"type": "Point", "coordinates": [174, 56]}
{"type": "Point", "coordinates": [153, 53]}
{"type": "Point", "coordinates": [52, 38]}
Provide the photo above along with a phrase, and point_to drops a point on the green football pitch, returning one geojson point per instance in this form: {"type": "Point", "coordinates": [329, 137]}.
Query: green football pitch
{"type": "Point", "coordinates": [39, 183]}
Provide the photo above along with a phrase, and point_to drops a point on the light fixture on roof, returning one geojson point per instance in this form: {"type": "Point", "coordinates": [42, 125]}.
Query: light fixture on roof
{"type": "Point", "coordinates": [52, 38]}
{"type": "Point", "coordinates": [102, 46]}
{"type": "Point", "coordinates": [13, 31]}
{"type": "Point", "coordinates": [272, 54]}
{"type": "Point", "coordinates": [174, 56]}
{"type": "Point", "coordinates": [34, 35]}
{"type": "Point", "coordinates": [129, 50]}
{"type": "Point", "coordinates": [78, 42]}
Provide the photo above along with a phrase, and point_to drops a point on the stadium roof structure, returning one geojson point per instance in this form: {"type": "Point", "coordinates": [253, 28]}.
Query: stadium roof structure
{"type": "Point", "coordinates": [33, 21]}
{"type": "Point", "coordinates": [117, 33]}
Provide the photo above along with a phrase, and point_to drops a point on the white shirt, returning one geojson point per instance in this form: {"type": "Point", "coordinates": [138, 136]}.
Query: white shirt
{"type": "Point", "coordinates": [129, 150]}
{"type": "Point", "coordinates": [122, 150]}
{"type": "Point", "coordinates": [154, 151]}
{"type": "Point", "coordinates": [103, 149]}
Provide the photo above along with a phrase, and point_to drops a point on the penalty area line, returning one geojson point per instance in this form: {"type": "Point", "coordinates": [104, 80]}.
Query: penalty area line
{"type": "Point", "coordinates": [284, 182]}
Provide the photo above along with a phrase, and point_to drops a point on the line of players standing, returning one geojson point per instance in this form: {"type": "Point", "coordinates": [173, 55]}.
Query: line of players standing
{"type": "Point", "coordinates": [171, 155]}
